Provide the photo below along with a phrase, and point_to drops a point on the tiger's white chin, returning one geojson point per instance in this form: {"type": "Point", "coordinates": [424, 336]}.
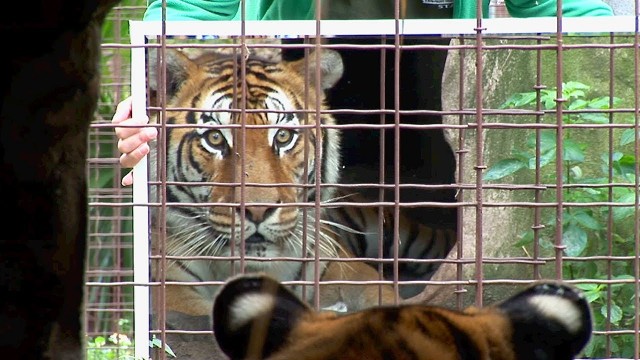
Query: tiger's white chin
{"type": "Point", "coordinates": [268, 250]}
{"type": "Point", "coordinates": [284, 270]}
{"type": "Point", "coordinates": [273, 263]}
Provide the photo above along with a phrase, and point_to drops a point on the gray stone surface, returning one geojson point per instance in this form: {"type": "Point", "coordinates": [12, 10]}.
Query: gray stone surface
{"type": "Point", "coordinates": [622, 7]}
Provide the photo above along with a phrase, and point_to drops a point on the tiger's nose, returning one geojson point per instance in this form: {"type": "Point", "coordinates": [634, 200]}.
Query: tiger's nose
{"type": "Point", "coordinates": [258, 214]}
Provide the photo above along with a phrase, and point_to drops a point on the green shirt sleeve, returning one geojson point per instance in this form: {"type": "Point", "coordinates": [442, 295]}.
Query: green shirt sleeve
{"type": "Point", "coordinates": [466, 9]}
{"type": "Point", "coordinates": [192, 9]}
{"type": "Point", "coordinates": [184, 10]}
{"type": "Point", "coordinates": [286, 9]}
{"type": "Point", "coordinates": [570, 8]}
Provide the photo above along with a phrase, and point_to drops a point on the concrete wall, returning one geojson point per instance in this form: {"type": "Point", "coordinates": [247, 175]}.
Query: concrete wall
{"type": "Point", "coordinates": [506, 72]}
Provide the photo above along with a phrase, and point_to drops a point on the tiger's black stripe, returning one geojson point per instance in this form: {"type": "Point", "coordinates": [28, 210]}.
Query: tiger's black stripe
{"type": "Point", "coordinates": [548, 321]}
{"type": "Point", "coordinates": [465, 346]}
{"type": "Point", "coordinates": [359, 245]}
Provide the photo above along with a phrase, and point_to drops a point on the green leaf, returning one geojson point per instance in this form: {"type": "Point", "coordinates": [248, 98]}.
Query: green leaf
{"type": "Point", "coordinates": [547, 140]}
{"type": "Point", "coordinates": [591, 350]}
{"type": "Point", "coordinates": [574, 85]}
{"type": "Point", "coordinates": [622, 212]}
{"type": "Point", "coordinates": [623, 165]}
{"type": "Point", "coordinates": [157, 343]}
{"type": "Point", "coordinates": [545, 159]}
{"type": "Point", "coordinates": [576, 172]}
{"type": "Point", "coordinates": [592, 292]}
{"type": "Point", "coordinates": [588, 221]}
{"type": "Point", "coordinates": [548, 95]}
{"type": "Point", "coordinates": [547, 244]}
{"type": "Point", "coordinates": [519, 100]}
{"type": "Point", "coordinates": [100, 341]}
{"type": "Point", "coordinates": [550, 103]}
{"type": "Point", "coordinates": [503, 168]}
{"type": "Point", "coordinates": [593, 118]}
{"type": "Point", "coordinates": [617, 156]}
{"type": "Point", "coordinates": [627, 167]}
{"type": "Point", "coordinates": [575, 240]}
{"type": "Point", "coordinates": [592, 296]}
{"type": "Point", "coordinates": [547, 148]}
{"type": "Point", "coordinates": [587, 287]}
{"type": "Point", "coordinates": [615, 315]}
{"type": "Point", "coordinates": [577, 104]}
{"type": "Point", "coordinates": [628, 136]}
{"type": "Point", "coordinates": [602, 102]}
{"type": "Point", "coordinates": [525, 239]}
{"type": "Point", "coordinates": [523, 156]}
{"type": "Point", "coordinates": [572, 151]}
{"type": "Point", "coordinates": [573, 94]}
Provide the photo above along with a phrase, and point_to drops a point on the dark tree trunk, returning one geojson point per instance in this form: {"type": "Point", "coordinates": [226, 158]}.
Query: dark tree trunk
{"type": "Point", "coordinates": [49, 92]}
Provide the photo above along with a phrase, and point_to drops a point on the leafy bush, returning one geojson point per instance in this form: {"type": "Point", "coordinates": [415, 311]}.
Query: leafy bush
{"type": "Point", "coordinates": [585, 229]}
{"type": "Point", "coordinates": [118, 346]}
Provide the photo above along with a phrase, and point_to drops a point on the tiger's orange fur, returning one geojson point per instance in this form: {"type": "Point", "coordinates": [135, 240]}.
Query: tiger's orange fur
{"type": "Point", "coordinates": [261, 131]}
{"type": "Point", "coordinates": [255, 317]}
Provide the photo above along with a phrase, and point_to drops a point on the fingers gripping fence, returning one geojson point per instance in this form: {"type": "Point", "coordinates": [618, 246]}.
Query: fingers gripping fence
{"type": "Point", "coordinates": [512, 203]}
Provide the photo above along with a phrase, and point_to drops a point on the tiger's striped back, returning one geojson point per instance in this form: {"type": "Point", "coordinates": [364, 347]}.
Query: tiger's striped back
{"type": "Point", "coordinates": [254, 317]}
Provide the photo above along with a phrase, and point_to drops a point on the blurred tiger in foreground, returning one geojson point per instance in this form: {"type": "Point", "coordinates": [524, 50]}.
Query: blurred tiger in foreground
{"type": "Point", "coordinates": [255, 317]}
{"type": "Point", "coordinates": [276, 148]}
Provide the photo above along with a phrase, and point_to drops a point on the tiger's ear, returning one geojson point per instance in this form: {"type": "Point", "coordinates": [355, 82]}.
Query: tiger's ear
{"type": "Point", "coordinates": [178, 66]}
{"type": "Point", "coordinates": [550, 320]}
{"type": "Point", "coordinates": [330, 65]}
{"type": "Point", "coordinates": [253, 316]}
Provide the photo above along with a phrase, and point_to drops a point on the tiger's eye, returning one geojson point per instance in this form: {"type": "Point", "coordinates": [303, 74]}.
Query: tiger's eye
{"type": "Point", "coordinates": [215, 138]}
{"type": "Point", "coordinates": [284, 136]}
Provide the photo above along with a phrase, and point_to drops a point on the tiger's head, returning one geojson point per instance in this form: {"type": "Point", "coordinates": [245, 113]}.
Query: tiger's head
{"type": "Point", "coordinates": [247, 132]}
{"type": "Point", "coordinates": [255, 317]}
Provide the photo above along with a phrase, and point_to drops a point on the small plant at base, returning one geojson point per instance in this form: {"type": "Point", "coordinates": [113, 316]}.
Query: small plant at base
{"type": "Point", "coordinates": [157, 343]}
{"type": "Point", "coordinates": [118, 346]}
{"type": "Point", "coordinates": [115, 346]}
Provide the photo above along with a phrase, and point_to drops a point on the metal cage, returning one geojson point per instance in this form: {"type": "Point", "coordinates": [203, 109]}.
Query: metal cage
{"type": "Point", "coordinates": [521, 136]}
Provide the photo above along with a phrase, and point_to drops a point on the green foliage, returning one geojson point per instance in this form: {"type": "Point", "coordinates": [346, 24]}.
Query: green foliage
{"type": "Point", "coordinates": [157, 343]}
{"type": "Point", "coordinates": [585, 230]}
{"type": "Point", "coordinates": [110, 227]}
{"type": "Point", "coordinates": [115, 346]}
{"type": "Point", "coordinates": [118, 346]}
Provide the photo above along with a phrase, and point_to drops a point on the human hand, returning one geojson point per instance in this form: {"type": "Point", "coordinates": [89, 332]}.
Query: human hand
{"type": "Point", "coordinates": [132, 141]}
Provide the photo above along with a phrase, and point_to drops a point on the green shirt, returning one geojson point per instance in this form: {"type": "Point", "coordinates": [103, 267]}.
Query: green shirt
{"type": "Point", "coordinates": [305, 9]}
{"type": "Point", "coordinates": [531, 8]}
{"type": "Point", "coordinates": [230, 10]}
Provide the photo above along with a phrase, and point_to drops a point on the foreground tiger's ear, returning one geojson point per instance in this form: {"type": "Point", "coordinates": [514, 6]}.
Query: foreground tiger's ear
{"type": "Point", "coordinates": [549, 320]}
{"type": "Point", "coordinates": [330, 65]}
{"type": "Point", "coordinates": [253, 316]}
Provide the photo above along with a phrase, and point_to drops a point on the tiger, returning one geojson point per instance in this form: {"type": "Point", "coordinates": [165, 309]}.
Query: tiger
{"type": "Point", "coordinates": [205, 144]}
{"type": "Point", "coordinates": [276, 145]}
{"type": "Point", "coordinates": [256, 317]}
{"type": "Point", "coordinates": [362, 235]}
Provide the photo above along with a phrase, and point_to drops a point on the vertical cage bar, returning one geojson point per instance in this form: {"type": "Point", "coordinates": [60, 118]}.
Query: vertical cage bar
{"type": "Point", "coordinates": [610, 198]}
{"type": "Point", "coordinates": [480, 167]}
{"type": "Point", "coordinates": [140, 209]}
{"type": "Point", "coordinates": [559, 246]}
{"type": "Point", "coordinates": [636, 221]}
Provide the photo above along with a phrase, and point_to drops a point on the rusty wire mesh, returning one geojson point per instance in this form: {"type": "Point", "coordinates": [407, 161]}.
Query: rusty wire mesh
{"type": "Point", "coordinates": [477, 154]}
